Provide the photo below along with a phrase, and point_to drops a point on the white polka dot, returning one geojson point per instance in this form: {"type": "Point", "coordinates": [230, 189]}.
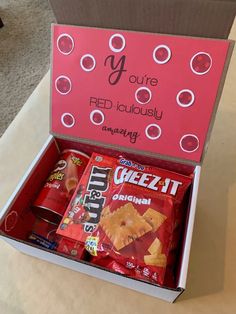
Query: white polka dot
{"type": "Point", "coordinates": [63, 85]}
{"type": "Point", "coordinates": [166, 54]}
{"type": "Point", "coordinates": [182, 102]}
{"type": "Point", "coordinates": [201, 63]}
{"type": "Point", "coordinates": [117, 42]}
{"type": "Point", "coordinates": [153, 131]}
{"type": "Point", "coordinates": [143, 95]}
{"type": "Point", "coordinates": [97, 117]}
{"type": "Point", "coordinates": [68, 120]}
{"type": "Point", "coordinates": [87, 62]}
{"type": "Point", "coordinates": [65, 44]}
{"type": "Point", "coordinates": [189, 143]}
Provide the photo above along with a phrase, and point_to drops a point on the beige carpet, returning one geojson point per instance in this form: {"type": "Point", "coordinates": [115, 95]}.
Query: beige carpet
{"type": "Point", "coordinates": [24, 53]}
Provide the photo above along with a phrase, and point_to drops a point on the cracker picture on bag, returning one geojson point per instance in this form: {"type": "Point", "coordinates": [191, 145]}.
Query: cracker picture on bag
{"type": "Point", "coordinates": [131, 211]}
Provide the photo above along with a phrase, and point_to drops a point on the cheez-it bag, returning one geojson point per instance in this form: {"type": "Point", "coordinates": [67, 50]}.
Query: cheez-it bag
{"type": "Point", "coordinates": [129, 212]}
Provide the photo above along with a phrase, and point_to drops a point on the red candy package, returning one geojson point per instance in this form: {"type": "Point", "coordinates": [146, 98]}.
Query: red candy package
{"type": "Point", "coordinates": [129, 212]}
{"type": "Point", "coordinates": [44, 235]}
{"type": "Point", "coordinates": [71, 247]}
{"type": "Point", "coordinates": [45, 229]}
{"type": "Point", "coordinates": [111, 264]}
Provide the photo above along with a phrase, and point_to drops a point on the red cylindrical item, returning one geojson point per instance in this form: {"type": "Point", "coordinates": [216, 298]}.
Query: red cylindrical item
{"type": "Point", "coordinates": [57, 191]}
{"type": "Point", "coordinates": [45, 229]}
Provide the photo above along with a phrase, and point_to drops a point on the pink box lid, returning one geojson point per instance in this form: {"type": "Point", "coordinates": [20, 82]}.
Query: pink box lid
{"type": "Point", "coordinates": [138, 91]}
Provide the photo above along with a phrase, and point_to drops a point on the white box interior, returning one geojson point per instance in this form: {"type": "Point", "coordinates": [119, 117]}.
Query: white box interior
{"type": "Point", "coordinates": [33, 180]}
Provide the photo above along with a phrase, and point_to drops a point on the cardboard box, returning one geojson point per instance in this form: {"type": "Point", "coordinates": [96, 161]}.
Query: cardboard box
{"type": "Point", "coordinates": [81, 89]}
{"type": "Point", "coordinates": [201, 18]}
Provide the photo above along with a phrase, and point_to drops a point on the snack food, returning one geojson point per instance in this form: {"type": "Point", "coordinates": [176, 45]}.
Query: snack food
{"type": "Point", "coordinates": [44, 234]}
{"type": "Point", "coordinates": [154, 218]}
{"type": "Point", "coordinates": [56, 193]}
{"type": "Point", "coordinates": [155, 260]}
{"type": "Point", "coordinates": [124, 226]}
{"type": "Point", "coordinates": [111, 264]}
{"type": "Point", "coordinates": [71, 248]}
{"type": "Point", "coordinates": [155, 247]}
{"type": "Point", "coordinates": [129, 213]}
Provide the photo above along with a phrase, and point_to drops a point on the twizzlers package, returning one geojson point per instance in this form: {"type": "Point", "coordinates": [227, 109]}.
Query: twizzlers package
{"type": "Point", "coordinates": [129, 212]}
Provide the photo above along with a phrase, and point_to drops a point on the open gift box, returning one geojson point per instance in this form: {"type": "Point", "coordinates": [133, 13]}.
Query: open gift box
{"type": "Point", "coordinates": [150, 96]}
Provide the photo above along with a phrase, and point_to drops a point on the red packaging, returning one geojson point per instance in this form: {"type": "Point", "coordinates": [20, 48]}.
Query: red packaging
{"type": "Point", "coordinates": [45, 229]}
{"type": "Point", "coordinates": [44, 234]}
{"type": "Point", "coordinates": [71, 248]}
{"type": "Point", "coordinates": [111, 264]}
{"type": "Point", "coordinates": [129, 212]}
{"type": "Point", "coordinates": [56, 193]}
